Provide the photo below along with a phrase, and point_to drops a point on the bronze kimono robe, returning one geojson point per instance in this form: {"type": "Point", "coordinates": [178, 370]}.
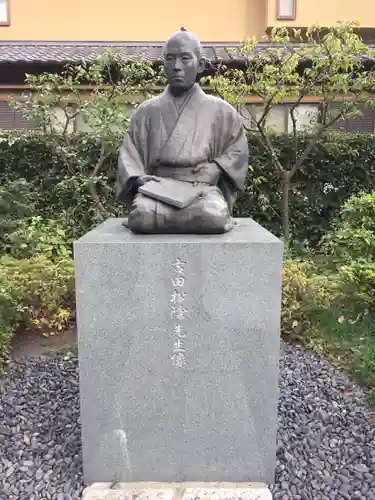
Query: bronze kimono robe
{"type": "Point", "coordinates": [169, 139]}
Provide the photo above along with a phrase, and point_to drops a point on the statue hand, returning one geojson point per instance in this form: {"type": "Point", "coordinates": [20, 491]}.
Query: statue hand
{"type": "Point", "coordinates": [146, 178]}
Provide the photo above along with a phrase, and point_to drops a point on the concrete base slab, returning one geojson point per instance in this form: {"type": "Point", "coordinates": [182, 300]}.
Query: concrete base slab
{"type": "Point", "coordinates": [177, 491]}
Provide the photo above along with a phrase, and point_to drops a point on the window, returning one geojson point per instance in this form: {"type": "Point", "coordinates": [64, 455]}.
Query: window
{"type": "Point", "coordinates": [276, 117]}
{"type": "Point", "coordinates": [4, 13]}
{"type": "Point", "coordinates": [81, 126]}
{"type": "Point", "coordinates": [364, 123]}
{"type": "Point", "coordinates": [13, 119]}
{"type": "Point", "coordinates": [306, 116]}
{"type": "Point", "coordinates": [279, 118]}
{"type": "Point", "coordinates": [286, 9]}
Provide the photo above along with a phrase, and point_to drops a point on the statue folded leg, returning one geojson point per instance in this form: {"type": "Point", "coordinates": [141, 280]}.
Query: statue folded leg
{"type": "Point", "coordinates": [209, 214]}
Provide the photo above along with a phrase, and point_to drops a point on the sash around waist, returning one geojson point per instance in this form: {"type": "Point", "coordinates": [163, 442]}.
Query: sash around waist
{"type": "Point", "coordinates": [184, 173]}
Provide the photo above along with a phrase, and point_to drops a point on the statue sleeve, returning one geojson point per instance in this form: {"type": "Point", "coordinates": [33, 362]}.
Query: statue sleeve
{"type": "Point", "coordinates": [130, 164]}
{"type": "Point", "coordinates": [234, 157]}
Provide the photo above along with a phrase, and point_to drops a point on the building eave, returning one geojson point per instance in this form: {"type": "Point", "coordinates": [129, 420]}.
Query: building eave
{"type": "Point", "coordinates": [20, 57]}
{"type": "Point", "coordinates": [73, 52]}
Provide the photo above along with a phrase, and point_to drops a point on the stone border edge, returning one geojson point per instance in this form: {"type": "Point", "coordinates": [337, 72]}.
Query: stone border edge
{"type": "Point", "coordinates": [177, 491]}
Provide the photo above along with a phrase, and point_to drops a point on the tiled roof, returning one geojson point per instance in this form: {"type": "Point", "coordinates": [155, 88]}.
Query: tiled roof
{"type": "Point", "coordinates": [67, 52]}
{"type": "Point", "coordinates": [70, 52]}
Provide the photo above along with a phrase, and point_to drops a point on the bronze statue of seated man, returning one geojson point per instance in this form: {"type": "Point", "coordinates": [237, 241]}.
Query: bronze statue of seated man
{"type": "Point", "coordinates": [185, 156]}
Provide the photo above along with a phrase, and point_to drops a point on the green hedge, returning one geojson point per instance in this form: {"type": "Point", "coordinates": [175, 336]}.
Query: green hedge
{"type": "Point", "coordinates": [341, 165]}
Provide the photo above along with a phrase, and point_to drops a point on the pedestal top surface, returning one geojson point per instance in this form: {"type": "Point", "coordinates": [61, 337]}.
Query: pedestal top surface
{"type": "Point", "coordinates": [113, 231]}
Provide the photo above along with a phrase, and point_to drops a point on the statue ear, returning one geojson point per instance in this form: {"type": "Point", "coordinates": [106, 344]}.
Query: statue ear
{"type": "Point", "coordinates": [203, 62]}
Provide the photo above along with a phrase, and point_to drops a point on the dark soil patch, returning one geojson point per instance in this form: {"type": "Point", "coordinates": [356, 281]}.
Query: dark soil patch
{"type": "Point", "coordinates": [33, 343]}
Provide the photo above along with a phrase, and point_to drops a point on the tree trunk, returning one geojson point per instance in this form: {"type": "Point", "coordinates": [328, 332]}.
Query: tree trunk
{"type": "Point", "coordinates": [285, 205]}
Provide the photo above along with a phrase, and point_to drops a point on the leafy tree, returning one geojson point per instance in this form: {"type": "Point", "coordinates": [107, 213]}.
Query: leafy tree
{"type": "Point", "coordinates": [329, 65]}
{"type": "Point", "coordinates": [94, 92]}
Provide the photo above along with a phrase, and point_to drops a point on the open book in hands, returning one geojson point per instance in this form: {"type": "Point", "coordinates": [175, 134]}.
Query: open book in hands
{"type": "Point", "coordinates": [178, 194]}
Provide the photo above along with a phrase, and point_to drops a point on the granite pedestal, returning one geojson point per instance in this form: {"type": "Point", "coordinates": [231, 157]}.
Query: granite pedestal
{"type": "Point", "coordinates": [178, 354]}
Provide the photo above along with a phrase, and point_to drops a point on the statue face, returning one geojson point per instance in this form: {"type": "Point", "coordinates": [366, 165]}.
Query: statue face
{"type": "Point", "coordinates": [181, 62]}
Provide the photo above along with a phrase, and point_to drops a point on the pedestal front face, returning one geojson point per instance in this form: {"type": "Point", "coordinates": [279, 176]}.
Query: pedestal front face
{"type": "Point", "coordinates": [178, 352]}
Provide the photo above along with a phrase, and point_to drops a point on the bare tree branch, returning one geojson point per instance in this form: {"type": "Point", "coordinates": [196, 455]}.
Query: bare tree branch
{"type": "Point", "coordinates": [92, 188]}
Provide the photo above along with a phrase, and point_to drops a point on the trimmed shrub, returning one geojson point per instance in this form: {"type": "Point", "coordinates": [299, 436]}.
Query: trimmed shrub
{"type": "Point", "coordinates": [304, 293]}
{"type": "Point", "coordinates": [35, 236]}
{"type": "Point", "coordinates": [358, 281]}
{"type": "Point", "coordinates": [34, 293]}
{"type": "Point", "coordinates": [350, 244]}
{"type": "Point", "coordinates": [353, 232]}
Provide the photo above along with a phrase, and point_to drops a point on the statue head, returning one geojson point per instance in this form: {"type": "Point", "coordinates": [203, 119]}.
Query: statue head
{"type": "Point", "coordinates": [183, 59]}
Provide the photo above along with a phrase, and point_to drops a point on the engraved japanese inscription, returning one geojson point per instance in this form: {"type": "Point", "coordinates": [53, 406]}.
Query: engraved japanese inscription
{"type": "Point", "coordinates": [178, 313]}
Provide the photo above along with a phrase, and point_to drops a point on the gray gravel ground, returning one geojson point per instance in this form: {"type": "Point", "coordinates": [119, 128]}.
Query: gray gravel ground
{"type": "Point", "coordinates": [326, 444]}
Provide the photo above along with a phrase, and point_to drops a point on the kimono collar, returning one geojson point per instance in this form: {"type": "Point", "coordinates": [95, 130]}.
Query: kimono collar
{"type": "Point", "coordinates": [184, 96]}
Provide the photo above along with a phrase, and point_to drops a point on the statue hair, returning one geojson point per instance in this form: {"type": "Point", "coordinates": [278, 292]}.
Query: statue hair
{"type": "Point", "coordinates": [183, 32]}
